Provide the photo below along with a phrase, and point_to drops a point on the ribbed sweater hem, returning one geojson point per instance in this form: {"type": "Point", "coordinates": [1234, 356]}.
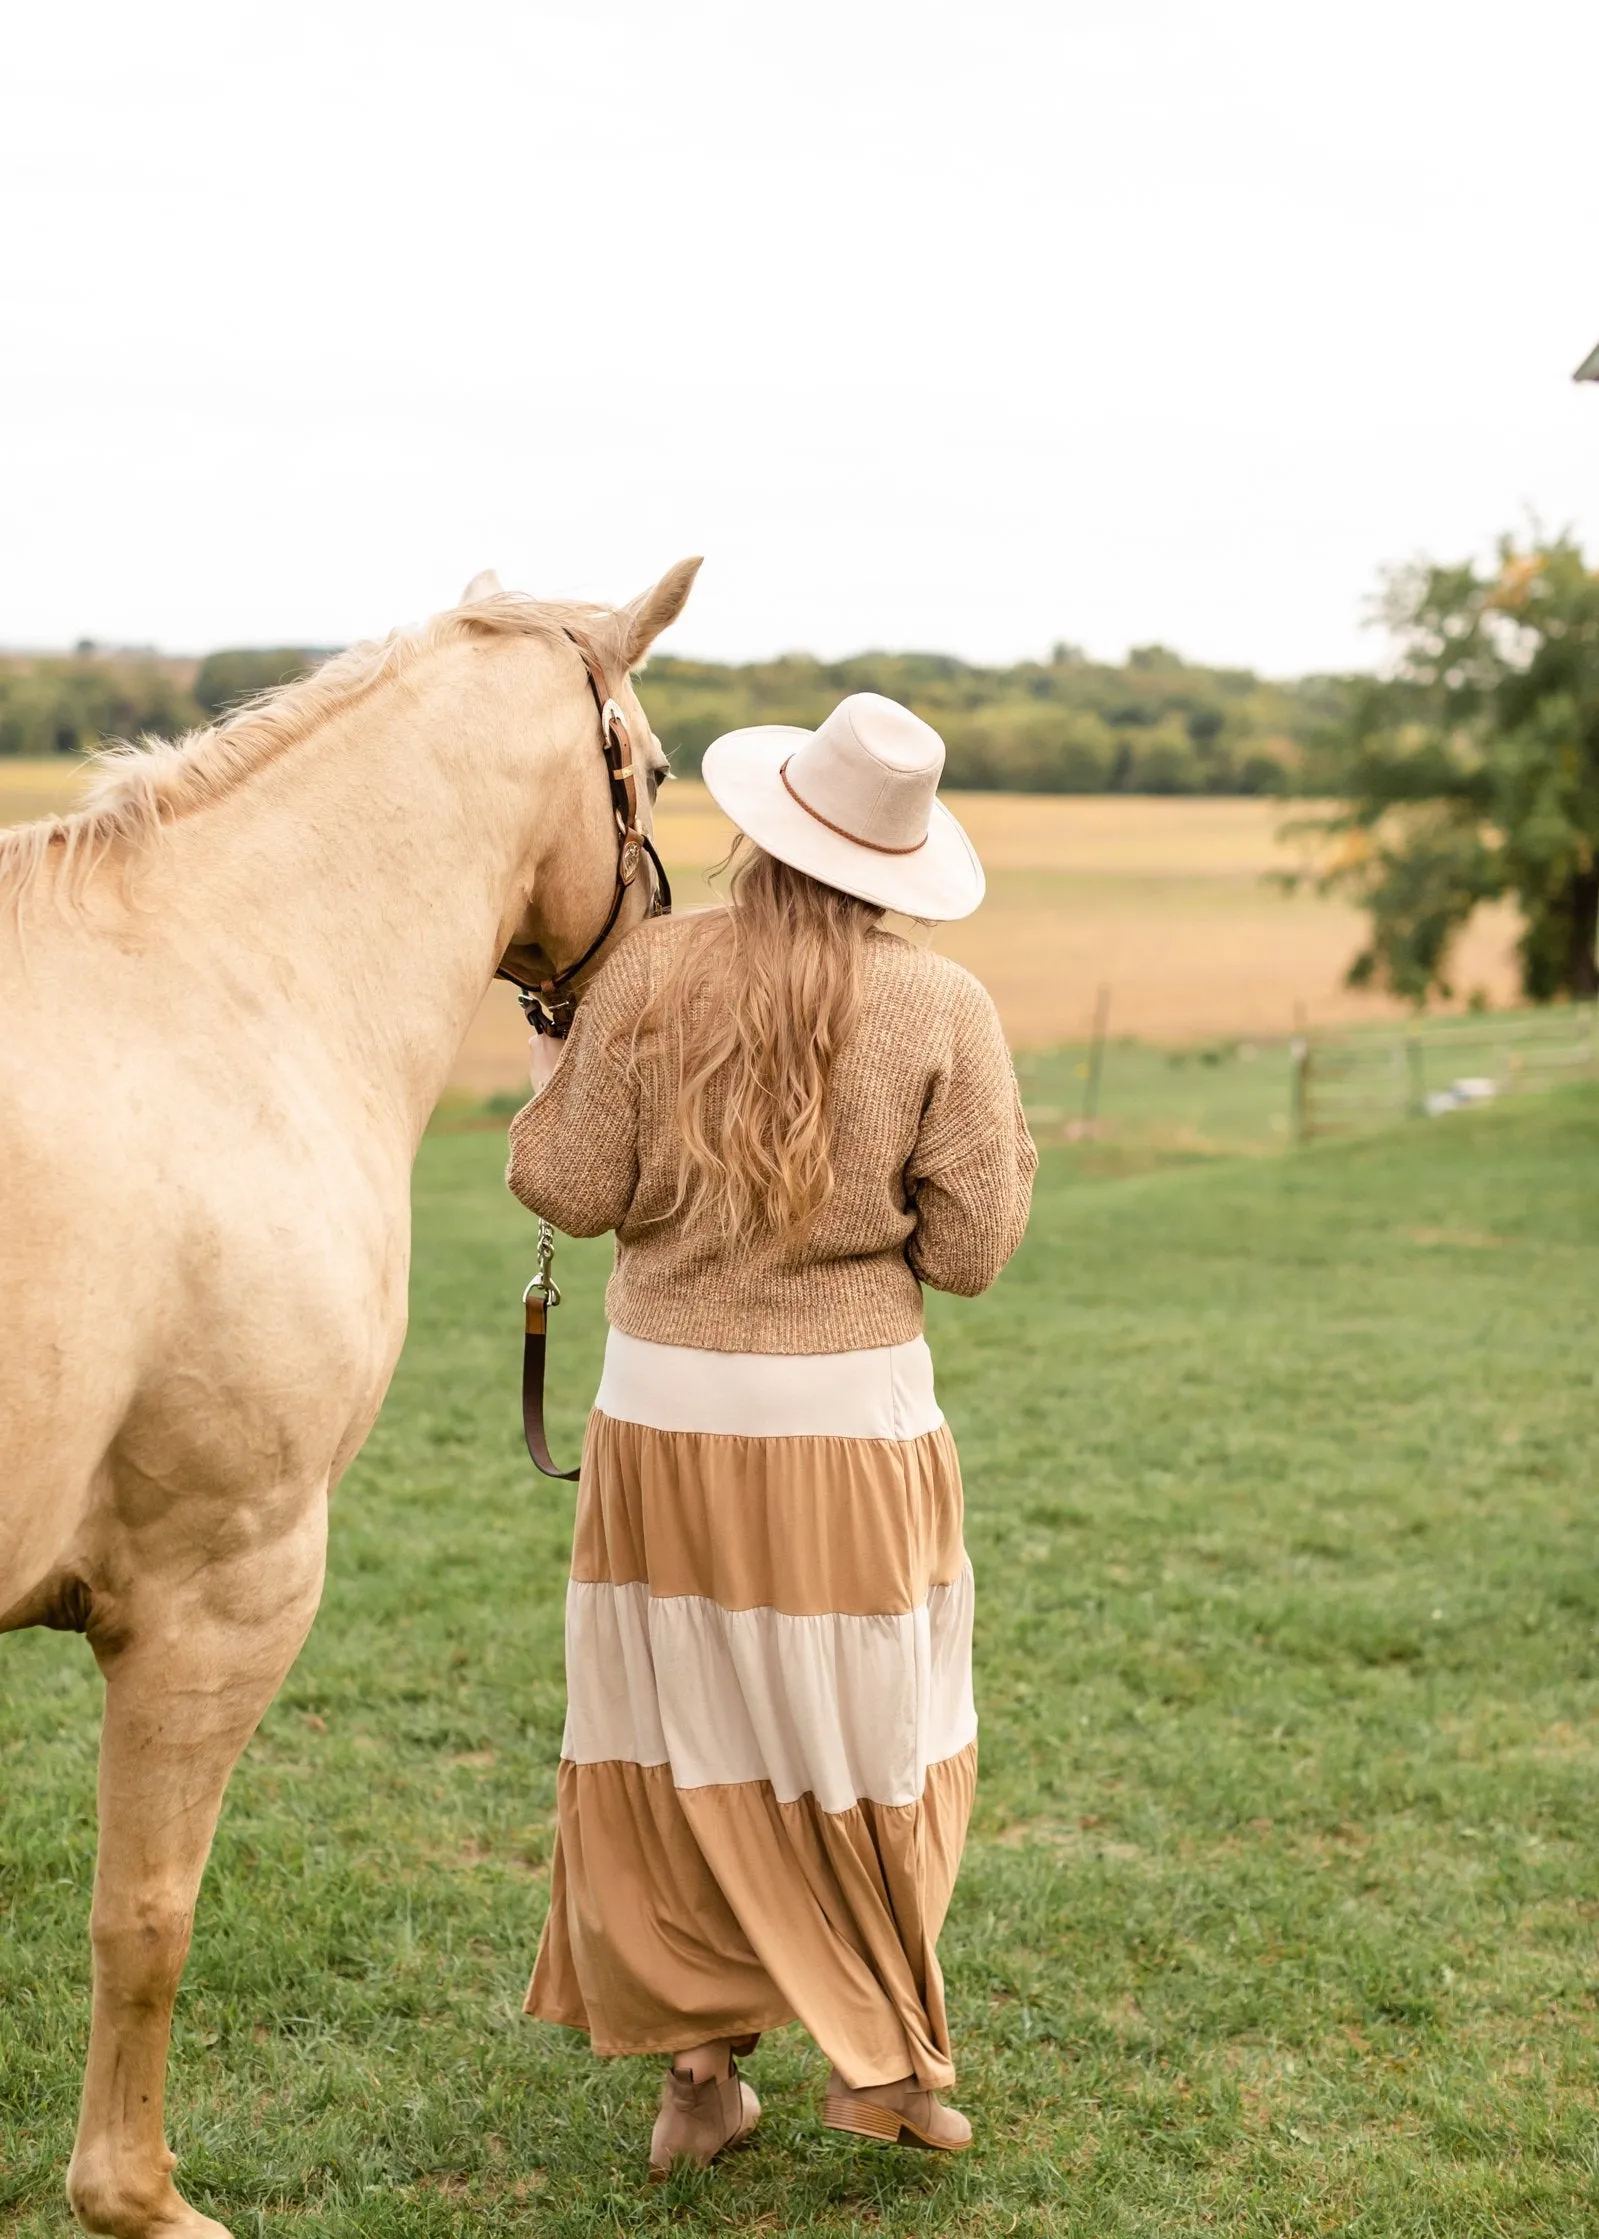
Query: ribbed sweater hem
{"type": "Point", "coordinates": [819, 1322]}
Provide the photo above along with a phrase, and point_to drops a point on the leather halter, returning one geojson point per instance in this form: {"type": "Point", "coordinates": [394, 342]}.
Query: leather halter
{"type": "Point", "coordinates": [547, 1009]}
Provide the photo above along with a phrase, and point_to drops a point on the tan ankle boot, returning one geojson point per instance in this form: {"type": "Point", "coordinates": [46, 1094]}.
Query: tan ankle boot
{"type": "Point", "coordinates": [698, 2121]}
{"type": "Point", "coordinates": [893, 2112]}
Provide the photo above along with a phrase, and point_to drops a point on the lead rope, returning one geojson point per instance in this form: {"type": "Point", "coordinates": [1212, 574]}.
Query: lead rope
{"type": "Point", "coordinates": [549, 1012]}
{"type": "Point", "coordinates": [537, 1300]}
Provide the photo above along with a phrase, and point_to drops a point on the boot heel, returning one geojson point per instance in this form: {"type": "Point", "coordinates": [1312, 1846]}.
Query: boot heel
{"type": "Point", "coordinates": [845, 2112]}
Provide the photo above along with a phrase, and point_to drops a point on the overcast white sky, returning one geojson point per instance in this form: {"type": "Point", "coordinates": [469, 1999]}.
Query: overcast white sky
{"type": "Point", "coordinates": [958, 326]}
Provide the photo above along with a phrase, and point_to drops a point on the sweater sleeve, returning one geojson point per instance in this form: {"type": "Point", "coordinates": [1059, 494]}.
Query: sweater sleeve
{"type": "Point", "coordinates": [970, 1175]}
{"type": "Point", "coordinates": [574, 1148]}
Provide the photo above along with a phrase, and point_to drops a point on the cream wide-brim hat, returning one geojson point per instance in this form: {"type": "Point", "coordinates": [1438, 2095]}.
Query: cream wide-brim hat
{"type": "Point", "coordinates": [852, 804]}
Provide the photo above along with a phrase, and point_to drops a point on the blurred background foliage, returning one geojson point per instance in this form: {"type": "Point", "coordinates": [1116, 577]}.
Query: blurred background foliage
{"type": "Point", "coordinates": [70, 703]}
{"type": "Point", "coordinates": [1155, 724]}
{"type": "Point", "coordinates": [223, 680]}
{"type": "Point", "coordinates": [65, 704]}
{"type": "Point", "coordinates": [1469, 772]}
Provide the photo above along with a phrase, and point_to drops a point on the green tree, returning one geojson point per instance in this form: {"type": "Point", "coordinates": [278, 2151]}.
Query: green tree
{"type": "Point", "coordinates": [225, 679]}
{"type": "Point", "coordinates": [70, 703]}
{"type": "Point", "coordinates": [1472, 772]}
{"type": "Point", "coordinates": [1069, 725]}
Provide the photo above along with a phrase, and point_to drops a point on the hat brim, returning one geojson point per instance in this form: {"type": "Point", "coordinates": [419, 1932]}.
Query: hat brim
{"type": "Point", "coordinates": [941, 880]}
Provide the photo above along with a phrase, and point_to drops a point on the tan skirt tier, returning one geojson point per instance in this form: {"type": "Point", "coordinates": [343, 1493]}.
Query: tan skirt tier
{"type": "Point", "coordinates": [770, 1742]}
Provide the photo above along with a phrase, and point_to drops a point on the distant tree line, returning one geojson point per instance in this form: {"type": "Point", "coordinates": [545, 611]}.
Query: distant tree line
{"type": "Point", "coordinates": [66, 705]}
{"type": "Point", "coordinates": [73, 702]}
{"type": "Point", "coordinates": [1154, 724]}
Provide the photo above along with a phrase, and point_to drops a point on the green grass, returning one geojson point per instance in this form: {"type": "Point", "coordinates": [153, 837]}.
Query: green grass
{"type": "Point", "coordinates": [1159, 1107]}
{"type": "Point", "coordinates": [1279, 1915]}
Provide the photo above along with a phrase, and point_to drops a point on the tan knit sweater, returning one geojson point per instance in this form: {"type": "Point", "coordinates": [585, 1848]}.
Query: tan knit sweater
{"type": "Point", "coordinates": [932, 1157]}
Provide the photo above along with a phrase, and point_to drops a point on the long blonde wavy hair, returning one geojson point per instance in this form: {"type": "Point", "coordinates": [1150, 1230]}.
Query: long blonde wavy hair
{"type": "Point", "coordinates": [760, 998]}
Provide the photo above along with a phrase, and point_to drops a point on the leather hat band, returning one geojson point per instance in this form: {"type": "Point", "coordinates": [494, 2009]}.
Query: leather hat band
{"type": "Point", "coordinates": [876, 846]}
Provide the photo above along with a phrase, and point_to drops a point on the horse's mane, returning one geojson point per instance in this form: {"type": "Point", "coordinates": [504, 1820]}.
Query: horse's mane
{"type": "Point", "coordinates": [144, 785]}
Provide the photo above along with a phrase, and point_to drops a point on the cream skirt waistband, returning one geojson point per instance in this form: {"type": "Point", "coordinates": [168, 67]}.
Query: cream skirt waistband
{"type": "Point", "coordinates": [883, 1392]}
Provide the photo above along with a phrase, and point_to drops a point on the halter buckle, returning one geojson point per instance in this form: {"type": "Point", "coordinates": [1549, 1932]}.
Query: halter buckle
{"type": "Point", "coordinates": [546, 1012]}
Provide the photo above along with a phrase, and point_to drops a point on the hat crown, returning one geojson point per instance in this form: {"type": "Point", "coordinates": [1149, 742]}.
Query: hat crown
{"type": "Point", "coordinates": [870, 772]}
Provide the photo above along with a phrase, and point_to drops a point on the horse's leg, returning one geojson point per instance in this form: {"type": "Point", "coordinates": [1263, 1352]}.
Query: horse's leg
{"type": "Point", "coordinates": [191, 1660]}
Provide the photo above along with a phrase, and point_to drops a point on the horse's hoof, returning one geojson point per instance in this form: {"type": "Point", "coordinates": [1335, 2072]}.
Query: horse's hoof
{"type": "Point", "coordinates": [105, 2211]}
{"type": "Point", "coordinates": [184, 2223]}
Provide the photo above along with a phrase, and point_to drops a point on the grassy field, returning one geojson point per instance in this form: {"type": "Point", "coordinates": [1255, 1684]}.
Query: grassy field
{"type": "Point", "coordinates": [1279, 1916]}
{"type": "Point", "coordinates": [1207, 1100]}
{"type": "Point", "coordinates": [1169, 903]}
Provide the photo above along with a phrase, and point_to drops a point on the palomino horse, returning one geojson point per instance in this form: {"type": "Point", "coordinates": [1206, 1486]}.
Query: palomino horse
{"type": "Point", "coordinates": [232, 989]}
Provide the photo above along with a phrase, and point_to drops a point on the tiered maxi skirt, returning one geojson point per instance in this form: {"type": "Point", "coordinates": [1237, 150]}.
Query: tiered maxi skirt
{"type": "Point", "coordinates": [770, 1742]}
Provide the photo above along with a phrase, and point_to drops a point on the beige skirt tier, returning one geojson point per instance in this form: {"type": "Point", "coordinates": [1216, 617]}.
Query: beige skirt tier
{"type": "Point", "coordinates": [770, 1742]}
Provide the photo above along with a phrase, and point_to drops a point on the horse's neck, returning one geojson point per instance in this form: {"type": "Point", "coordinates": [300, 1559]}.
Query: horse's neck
{"type": "Point", "coordinates": [360, 887]}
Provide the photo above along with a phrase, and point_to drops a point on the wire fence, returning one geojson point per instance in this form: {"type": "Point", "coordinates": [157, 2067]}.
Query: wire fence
{"type": "Point", "coordinates": [1361, 1078]}
{"type": "Point", "coordinates": [1125, 1100]}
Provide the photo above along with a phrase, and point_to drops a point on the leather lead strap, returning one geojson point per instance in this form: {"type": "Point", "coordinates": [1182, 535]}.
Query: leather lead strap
{"type": "Point", "coordinates": [533, 1345]}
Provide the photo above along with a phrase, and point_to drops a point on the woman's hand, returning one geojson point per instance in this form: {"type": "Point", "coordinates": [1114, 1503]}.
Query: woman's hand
{"type": "Point", "coordinates": [545, 1052]}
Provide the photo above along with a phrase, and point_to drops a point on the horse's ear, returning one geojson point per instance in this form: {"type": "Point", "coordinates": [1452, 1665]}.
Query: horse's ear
{"type": "Point", "coordinates": [484, 586]}
{"type": "Point", "coordinates": [655, 610]}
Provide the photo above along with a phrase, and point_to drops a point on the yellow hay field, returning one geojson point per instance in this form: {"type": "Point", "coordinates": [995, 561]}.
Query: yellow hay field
{"type": "Point", "coordinates": [1166, 902]}
{"type": "Point", "coordinates": [29, 789]}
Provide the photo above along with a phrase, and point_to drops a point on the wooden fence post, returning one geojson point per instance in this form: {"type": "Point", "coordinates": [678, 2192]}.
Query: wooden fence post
{"type": "Point", "coordinates": [1096, 1058]}
{"type": "Point", "coordinates": [1416, 1063]}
